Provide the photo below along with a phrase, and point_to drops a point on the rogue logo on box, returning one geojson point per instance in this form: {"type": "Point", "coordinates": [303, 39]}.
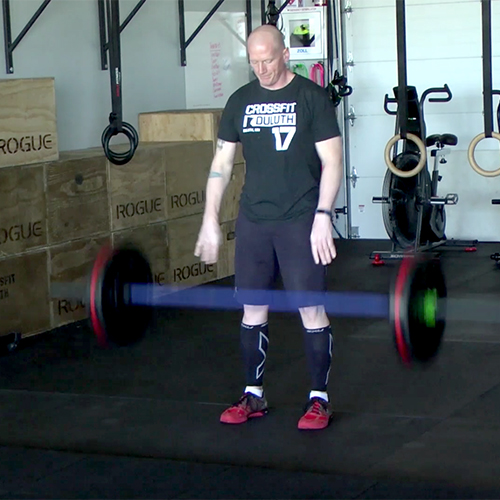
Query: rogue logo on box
{"type": "Point", "coordinates": [21, 232]}
{"type": "Point", "coordinates": [25, 144]}
{"type": "Point", "coordinates": [196, 269]}
{"type": "Point", "coordinates": [138, 208]}
{"type": "Point", "coordinates": [187, 199]}
{"type": "Point", "coordinates": [67, 306]}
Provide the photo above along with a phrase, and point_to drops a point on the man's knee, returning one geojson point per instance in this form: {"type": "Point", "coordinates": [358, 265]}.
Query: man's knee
{"type": "Point", "coordinates": [255, 315]}
{"type": "Point", "coordinates": [314, 316]}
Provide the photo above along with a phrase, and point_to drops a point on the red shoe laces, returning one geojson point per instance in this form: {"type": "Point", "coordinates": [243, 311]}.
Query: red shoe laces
{"type": "Point", "coordinates": [317, 408]}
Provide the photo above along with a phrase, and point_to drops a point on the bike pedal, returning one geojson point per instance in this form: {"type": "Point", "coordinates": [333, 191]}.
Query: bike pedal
{"type": "Point", "coordinates": [451, 199]}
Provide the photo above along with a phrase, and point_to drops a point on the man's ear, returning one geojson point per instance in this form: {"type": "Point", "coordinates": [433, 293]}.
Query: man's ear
{"type": "Point", "coordinates": [286, 55]}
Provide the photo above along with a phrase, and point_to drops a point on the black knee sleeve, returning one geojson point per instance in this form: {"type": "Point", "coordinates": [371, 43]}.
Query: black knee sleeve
{"type": "Point", "coordinates": [254, 342]}
{"type": "Point", "coordinates": [319, 346]}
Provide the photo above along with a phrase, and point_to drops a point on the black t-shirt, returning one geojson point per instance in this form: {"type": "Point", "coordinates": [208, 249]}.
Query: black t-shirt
{"type": "Point", "coordinates": [278, 130]}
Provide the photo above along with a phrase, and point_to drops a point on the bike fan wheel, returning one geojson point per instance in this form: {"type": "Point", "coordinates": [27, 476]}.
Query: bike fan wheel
{"type": "Point", "coordinates": [437, 223]}
{"type": "Point", "coordinates": [401, 213]}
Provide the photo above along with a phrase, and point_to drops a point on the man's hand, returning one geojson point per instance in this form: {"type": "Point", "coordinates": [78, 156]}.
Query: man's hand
{"type": "Point", "coordinates": [322, 243]}
{"type": "Point", "coordinates": [209, 241]}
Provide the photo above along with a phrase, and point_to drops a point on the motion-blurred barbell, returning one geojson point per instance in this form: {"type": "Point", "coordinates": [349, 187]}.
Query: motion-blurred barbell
{"type": "Point", "coordinates": [120, 297]}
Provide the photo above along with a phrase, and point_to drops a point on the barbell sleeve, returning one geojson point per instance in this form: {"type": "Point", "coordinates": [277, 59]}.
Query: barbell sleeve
{"type": "Point", "coordinates": [478, 310]}
{"type": "Point", "coordinates": [70, 291]}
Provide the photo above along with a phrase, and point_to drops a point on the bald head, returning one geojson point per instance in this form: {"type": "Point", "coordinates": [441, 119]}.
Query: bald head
{"type": "Point", "coordinates": [269, 57]}
{"type": "Point", "coordinates": [266, 35]}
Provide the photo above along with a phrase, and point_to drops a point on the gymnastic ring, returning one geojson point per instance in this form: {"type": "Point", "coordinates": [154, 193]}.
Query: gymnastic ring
{"type": "Point", "coordinates": [472, 160]}
{"type": "Point", "coordinates": [111, 131]}
{"type": "Point", "coordinates": [404, 173]}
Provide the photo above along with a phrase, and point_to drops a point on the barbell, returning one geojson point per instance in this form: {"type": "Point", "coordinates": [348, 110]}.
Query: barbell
{"type": "Point", "coordinates": [120, 297]}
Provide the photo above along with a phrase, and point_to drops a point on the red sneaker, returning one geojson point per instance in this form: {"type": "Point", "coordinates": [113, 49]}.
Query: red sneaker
{"type": "Point", "coordinates": [318, 414]}
{"type": "Point", "coordinates": [248, 406]}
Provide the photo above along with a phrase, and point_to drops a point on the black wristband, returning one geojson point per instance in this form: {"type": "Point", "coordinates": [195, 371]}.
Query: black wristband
{"type": "Point", "coordinates": [322, 211]}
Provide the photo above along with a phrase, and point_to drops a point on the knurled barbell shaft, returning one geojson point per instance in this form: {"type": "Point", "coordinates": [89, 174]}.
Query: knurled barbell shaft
{"type": "Point", "coordinates": [347, 304]}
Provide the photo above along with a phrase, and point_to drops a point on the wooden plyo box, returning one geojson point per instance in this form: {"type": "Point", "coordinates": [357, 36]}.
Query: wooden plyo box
{"type": "Point", "coordinates": [183, 125]}
{"type": "Point", "coordinates": [187, 165]}
{"type": "Point", "coordinates": [163, 181]}
{"type": "Point", "coordinates": [72, 263]}
{"type": "Point", "coordinates": [184, 268]}
{"type": "Point", "coordinates": [28, 128]}
{"type": "Point", "coordinates": [23, 220]}
{"type": "Point", "coordinates": [24, 294]}
{"type": "Point", "coordinates": [138, 189]}
{"type": "Point", "coordinates": [77, 196]}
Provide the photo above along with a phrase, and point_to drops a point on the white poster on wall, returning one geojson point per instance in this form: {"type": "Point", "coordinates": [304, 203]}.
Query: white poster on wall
{"type": "Point", "coordinates": [304, 32]}
{"type": "Point", "coordinates": [217, 63]}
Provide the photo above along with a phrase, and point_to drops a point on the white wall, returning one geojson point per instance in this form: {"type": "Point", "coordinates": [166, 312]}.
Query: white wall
{"type": "Point", "coordinates": [64, 44]}
{"type": "Point", "coordinates": [443, 46]}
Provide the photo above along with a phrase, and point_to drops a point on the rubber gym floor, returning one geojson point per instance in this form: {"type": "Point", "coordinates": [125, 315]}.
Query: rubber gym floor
{"type": "Point", "coordinates": [77, 421]}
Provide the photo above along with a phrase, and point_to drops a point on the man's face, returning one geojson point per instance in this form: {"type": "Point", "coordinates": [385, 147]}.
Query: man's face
{"type": "Point", "coordinates": [268, 62]}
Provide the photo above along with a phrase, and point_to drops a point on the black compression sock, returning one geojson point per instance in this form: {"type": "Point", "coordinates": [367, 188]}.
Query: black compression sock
{"type": "Point", "coordinates": [254, 341]}
{"type": "Point", "coordinates": [319, 345]}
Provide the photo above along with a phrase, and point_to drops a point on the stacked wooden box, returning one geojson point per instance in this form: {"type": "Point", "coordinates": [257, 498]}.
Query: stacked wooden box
{"type": "Point", "coordinates": [57, 209]}
{"type": "Point", "coordinates": [201, 125]}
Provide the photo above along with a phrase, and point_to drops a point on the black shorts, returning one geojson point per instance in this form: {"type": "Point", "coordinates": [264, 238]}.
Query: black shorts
{"type": "Point", "coordinates": [265, 249]}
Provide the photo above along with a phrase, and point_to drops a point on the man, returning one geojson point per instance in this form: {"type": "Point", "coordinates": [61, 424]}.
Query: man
{"type": "Point", "coordinates": [293, 152]}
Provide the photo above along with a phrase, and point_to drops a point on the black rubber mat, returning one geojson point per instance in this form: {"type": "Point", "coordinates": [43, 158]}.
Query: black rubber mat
{"type": "Point", "coordinates": [162, 398]}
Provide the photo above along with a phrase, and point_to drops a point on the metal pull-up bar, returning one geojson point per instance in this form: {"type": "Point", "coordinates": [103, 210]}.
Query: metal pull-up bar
{"type": "Point", "coordinates": [10, 45]}
{"type": "Point", "coordinates": [182, 27]}
{"type": "Point", "coordinates": [104, 43]}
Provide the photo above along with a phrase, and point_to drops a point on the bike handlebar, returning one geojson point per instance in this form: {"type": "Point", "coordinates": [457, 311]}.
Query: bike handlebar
{"type": "Point", "coordinates": [433, 90]}
{"type": "Point", "coordinates": [438, 90]}
{"type": "Point", "coordinates": [389, 100]}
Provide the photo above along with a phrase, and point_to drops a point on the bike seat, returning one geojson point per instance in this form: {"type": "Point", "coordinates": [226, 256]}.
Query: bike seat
{"type": "Point", "coordinates": [442, 139]}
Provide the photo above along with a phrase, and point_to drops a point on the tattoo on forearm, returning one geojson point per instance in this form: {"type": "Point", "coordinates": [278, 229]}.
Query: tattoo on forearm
{"type": "Point", "coordinates": [220, 144]}
{"type": "Point", "coordinates": [214, 174]}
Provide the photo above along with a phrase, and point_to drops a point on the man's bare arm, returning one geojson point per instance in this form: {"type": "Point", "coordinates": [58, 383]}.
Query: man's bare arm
{"type": "Point", "coordinates": [330, 153]}
{"type": "Point", "coordinates": [218, 178]}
